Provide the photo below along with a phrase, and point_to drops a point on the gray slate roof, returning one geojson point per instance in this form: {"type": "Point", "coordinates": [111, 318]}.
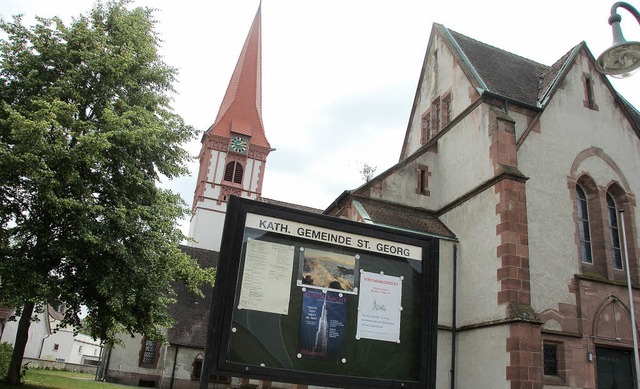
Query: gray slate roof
{"type": "Point", "coordinates": [404, 217]}
{"type": "Point", "coordinates": [504, 73]}
{"type": "Point", "coordinates": [190, 312]}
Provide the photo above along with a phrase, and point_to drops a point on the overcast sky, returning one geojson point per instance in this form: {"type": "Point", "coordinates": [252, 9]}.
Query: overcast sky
{"type": "Point", "coordinates": [339, 76]}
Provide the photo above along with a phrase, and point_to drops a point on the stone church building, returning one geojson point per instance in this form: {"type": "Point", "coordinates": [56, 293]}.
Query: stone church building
{"type": "Point", "coordinates": [527, 174]}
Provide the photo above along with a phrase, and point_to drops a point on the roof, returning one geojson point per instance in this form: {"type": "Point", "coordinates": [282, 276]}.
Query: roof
{"type": "Point", "coordinates": [191, 312]}
{"type": "Point", "coordinates": [290, 205]}
{"type": "Point", "coordinates": [241, 108]}
{"type": "Point", "coordinates": [5, 313]}
{"type": "Point", "coordinates": [502, 72]}
{"type": "Point", "coordinates": [403, 217]}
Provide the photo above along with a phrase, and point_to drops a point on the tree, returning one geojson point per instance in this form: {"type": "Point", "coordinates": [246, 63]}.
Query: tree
{"type": "Point", "coordinates": [86, 134]}
{"type": "Point", "coordinates": [367, 171]}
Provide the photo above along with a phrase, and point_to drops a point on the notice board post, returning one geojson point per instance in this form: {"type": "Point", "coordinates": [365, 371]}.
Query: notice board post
{"type": "Point", "coordinates": [312, 299]}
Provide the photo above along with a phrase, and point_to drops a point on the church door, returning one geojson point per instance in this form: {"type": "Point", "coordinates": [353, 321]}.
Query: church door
{"type": "Point", "coordinates": [614, 367]}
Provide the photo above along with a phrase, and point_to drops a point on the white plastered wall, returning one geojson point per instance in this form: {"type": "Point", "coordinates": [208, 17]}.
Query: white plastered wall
{"type": "Point", "coordinates": [477, 263]}
{"type": "Point", "coordinates": [567, 129]}
{"type": "Point", "coordinates": [482, 359]}
{"type": "Point", "coordinates": [446, 77]}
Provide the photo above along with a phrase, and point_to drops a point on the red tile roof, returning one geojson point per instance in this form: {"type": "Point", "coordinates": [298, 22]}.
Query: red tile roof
{"type": "Point", "coordinates": [241, 108]}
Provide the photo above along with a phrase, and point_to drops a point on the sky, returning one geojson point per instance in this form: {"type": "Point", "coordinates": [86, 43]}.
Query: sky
{"type": "Point", "coordinates": [339, 76]}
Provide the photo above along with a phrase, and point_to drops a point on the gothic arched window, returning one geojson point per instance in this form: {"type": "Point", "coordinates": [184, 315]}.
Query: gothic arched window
{"type": "Point", "coordinates": [583, 225]}
{"type": "Point", "coordinates": [614, 233]}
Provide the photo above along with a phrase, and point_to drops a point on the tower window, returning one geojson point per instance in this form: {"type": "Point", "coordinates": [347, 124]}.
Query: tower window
{"type": "Point", "coordinates": [233, 172]}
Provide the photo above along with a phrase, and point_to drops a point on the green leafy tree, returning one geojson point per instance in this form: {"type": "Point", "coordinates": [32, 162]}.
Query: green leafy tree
{"type": "Point", "coordinates": [86, 134]}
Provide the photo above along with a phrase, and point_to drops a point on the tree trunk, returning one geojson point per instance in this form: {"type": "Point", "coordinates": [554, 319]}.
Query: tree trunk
{"type": "Point", "coordinates": [22, 335]}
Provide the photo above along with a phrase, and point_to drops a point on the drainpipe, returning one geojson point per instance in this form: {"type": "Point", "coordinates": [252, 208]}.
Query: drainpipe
{"type": "Point", "coordinates": [173, 370]}
{"type": "Point", "coordinates": [42, 346]}
{"type": "Point", "coordinates": [634, 332]}
{"type": "Point", "coordinates": [453, 317]}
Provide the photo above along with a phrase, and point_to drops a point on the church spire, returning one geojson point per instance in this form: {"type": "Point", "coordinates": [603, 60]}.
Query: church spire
{"type": "Point", "coordinates": [234, 149]}
{"type": "Point", "coordinates": [241, 108]}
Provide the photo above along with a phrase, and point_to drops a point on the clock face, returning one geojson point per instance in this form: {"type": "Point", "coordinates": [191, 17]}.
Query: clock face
{"type": "Point", "coordinates": [239, 144]}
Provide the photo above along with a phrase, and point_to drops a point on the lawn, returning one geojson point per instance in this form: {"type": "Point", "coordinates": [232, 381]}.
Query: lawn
{"type": "Point", "coordinates": [37, 379]}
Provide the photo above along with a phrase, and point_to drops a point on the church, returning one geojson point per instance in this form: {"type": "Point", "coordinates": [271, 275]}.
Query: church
{"type": "Point", "coordinates": [526, 173]}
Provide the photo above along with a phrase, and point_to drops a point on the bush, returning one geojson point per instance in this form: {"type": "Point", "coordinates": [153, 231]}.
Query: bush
{"type": "Point", "coordinates": [6, 350]}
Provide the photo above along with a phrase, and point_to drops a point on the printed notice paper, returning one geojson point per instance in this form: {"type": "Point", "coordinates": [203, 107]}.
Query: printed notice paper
{"type": "Point", "coordinates": [266, 280]}
{"type": "Point", "coordinates": [379, 307]}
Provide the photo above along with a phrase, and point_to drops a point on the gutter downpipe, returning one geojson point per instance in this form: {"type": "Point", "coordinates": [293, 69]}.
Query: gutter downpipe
{"type": "Point", "coordinates": [453, 317]}
{"type": "Point", "coordinates": [630, 289]}
{"type": "Point", "coordinates": [173, 370]}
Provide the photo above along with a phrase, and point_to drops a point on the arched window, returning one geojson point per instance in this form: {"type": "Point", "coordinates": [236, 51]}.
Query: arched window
{"type": "Point", "coordinates": [583, 226]}
{"type": "Point", "coordinates": [614, 233]}
{"type": "Point", "coordinates": [233, 172]}
{"type": "Point", "coordinates": [196, 368]}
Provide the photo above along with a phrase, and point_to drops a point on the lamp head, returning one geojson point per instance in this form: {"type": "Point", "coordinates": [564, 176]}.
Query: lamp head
{"type": "Point", "coordinates": [622, 59]}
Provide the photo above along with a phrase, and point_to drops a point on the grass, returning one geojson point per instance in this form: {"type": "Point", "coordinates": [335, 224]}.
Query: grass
{"type": "Point", "coordinates": [38, 379]}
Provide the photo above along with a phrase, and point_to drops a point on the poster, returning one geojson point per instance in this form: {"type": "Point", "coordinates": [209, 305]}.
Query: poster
{"type": "Point", "coordinates": [322, 324]}
{"type": "Point", "coordinates": [327, 270]}
{"type": "Point", "coordinates": [266, 280]}
{"type": "Point", "coordinates": [379, 307]}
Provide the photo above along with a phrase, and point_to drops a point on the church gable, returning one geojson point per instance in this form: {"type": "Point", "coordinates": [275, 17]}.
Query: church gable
{"type": "Point", "coordinates": [443, 92]}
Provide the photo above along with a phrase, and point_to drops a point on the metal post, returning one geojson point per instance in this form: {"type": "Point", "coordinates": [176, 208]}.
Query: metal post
{"type": "Point", "coordinates": [634, 334]}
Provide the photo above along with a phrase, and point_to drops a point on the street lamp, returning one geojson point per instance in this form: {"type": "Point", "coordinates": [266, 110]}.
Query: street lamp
{"type": "Point", "coordinates": [622, 59]}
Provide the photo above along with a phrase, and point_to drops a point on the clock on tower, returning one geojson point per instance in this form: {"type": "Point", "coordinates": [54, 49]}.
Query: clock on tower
{"type": "Point", "coordinates": [238, 144]}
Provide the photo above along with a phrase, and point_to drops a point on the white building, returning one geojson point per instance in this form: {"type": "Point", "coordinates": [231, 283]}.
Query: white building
{"type": "Point", "coordinates": [48, 342]}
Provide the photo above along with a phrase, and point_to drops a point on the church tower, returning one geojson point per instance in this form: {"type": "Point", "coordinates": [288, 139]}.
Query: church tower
{"type": "Point", "coordinates": [234, 149]}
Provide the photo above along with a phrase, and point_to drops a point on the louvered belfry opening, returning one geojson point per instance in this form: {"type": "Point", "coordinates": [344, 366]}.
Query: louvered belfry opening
{"type": "Point", "coordinates": [233, 172]}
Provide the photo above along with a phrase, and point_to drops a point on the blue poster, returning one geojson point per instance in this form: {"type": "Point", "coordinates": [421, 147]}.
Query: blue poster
{"type": "Point", "coordinates": [322, 324]}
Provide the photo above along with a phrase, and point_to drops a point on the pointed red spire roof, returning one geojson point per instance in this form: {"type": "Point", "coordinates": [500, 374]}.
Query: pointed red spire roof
{"type": "Point", "coordinates": [241, 108]}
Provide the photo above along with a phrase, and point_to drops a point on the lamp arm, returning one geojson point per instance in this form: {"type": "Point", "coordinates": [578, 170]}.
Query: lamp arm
{"type": "Point", "coordinates": [621, 4]}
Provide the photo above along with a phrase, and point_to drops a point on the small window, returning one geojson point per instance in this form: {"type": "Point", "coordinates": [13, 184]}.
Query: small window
{"type": "Point", "coordinates": [80, 350]}
{"type": "Point", "coordinates": [423, 180]}
{"type": "Point", "coordinates": [436, 114]}
{"type": "Point", "coordinates": [550, 359]}
{"type": "Point", "coordinates": [196, 368]}
{"type": "Point", "coordinates": [583, 226]}
{"type": "Point", "coordinates": [149, 353]}
{"type": "Point", "coordinates": [233, 172]}
{"type": "Point", "coordinates": [447, 110]}
{"type": "Point", "coordinates": [426, 128]}
{"type": "Point", "coordinates": [589, 100]}
{"type": "Point", "coordinates": [56, 346]}
{"type": "Point", "coordinates": [614, 233]}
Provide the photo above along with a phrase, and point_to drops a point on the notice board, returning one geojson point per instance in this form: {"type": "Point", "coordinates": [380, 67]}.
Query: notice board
{"type": "Point", "coordinates": [308, 298]}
